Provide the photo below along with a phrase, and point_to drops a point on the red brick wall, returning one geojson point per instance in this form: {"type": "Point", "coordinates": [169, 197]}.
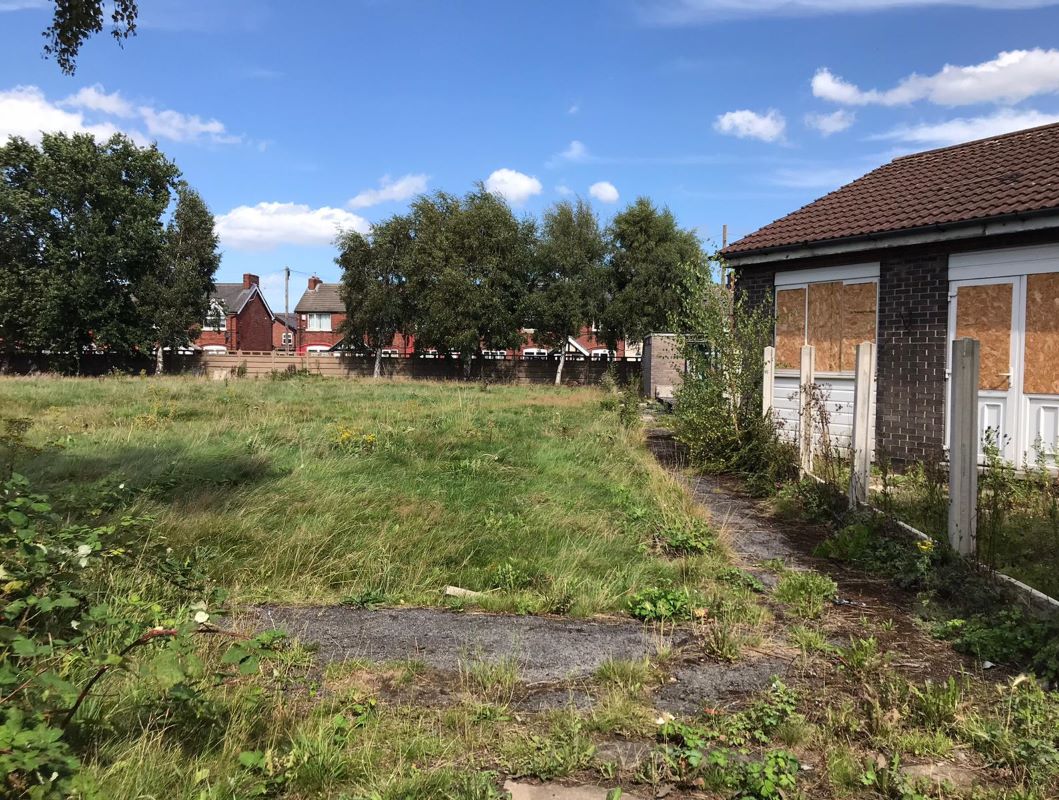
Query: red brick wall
{"type": "Point", "coordinates": [278, 329]}
{"type": "Point", "coordinates": [307, 338]}
{"type": "Point", "coordinates": [214, 338]}
{"type": "Point", "coordinates": [253, 326]}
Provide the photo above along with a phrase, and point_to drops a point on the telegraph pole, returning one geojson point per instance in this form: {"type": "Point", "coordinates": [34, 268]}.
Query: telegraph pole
{"type": "Point", "coordinates": [286, 308]}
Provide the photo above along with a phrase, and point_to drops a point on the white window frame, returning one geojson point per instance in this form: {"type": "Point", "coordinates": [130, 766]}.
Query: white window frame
{"type": "Point", "coordinates": [314, 321]}
{"type": "Point", "coordinates": [802, 279]}
{"type": "Point", "coordinates": [217, 312]}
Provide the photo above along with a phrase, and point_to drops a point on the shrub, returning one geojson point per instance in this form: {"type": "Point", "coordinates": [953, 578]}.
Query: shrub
{"type": "Point", "coordinates": [719, 403]}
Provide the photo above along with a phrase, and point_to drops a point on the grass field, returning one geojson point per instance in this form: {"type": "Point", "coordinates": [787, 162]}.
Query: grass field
{"type": "Point", "coordinates": [314, 490]}
{"type": "Point", "coordinates": [307, 491]}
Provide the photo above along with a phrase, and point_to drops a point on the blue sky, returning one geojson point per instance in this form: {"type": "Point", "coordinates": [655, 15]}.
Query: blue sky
{"type": "Point", "coordinates": [294, 118]}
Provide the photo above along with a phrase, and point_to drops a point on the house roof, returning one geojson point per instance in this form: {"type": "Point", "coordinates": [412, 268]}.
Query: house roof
{"type": "Point", "coordinates": [324, 297]}
{"type": "Point", "coordinates": [291, 319]}
{"type": "Point", "coordinates": [232, 295]}
{"type": "Point", "coordinates": [1017, 173]}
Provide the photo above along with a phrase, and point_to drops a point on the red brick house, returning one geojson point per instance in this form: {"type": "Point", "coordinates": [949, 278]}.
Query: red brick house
{"type": "Point", "coordinates": [931, 247]}
{"type": "Point", "coordinates": [319, 315]}
{"type": "Point", "coordinates": [238, 319]}
{"type": "Point", "coordinates": [284, 330]}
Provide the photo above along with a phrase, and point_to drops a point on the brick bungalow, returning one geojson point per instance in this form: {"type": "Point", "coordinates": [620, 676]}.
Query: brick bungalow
{"type": "Point", "coordinates": [957, 242]}
{"type": "Point", "coordinates": [238, 319]}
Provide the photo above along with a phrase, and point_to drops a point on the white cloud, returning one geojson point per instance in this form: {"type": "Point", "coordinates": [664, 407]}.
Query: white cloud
{"type": "Point", "coordinates": [604, 191]}
{"type": "Point", "coordinates": [515, 187]}
{"type": "Point", "coordinates": [813, 177]}
{"type": "Point", "coordinates": [19, 5]}
{"type": "Point", "coordinates": [768, 127]}
{"type": "Point", "coordinates": [184, 127]}
{"type": "Point", "coordinates": [956, 131]}
{"type": "Point", "coordinates": [1010, 77]}
{"type": "Point", "coordinates": [573, 109]}
{"type": "Point", "coordinates": [391, 190]}
{"type": "Point", "coordinates": [26, 111]}
{"type": "Point", "coordinates": [95, 98]}
{"type": "Point", "coordinates": [688, 12]}
{"type": "Point", "coordinates": [575, 151]}
{"type": "Point", "coordinates": [832, 123]}
{"type": "Point", "coordinates": [268, 225]}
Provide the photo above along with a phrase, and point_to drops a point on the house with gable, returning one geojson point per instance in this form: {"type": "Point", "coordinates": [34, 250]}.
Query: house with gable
{"type": "Point", "coordinates": [239, 318]}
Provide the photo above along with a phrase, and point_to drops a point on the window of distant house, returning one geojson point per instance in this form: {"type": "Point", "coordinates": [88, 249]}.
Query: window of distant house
{"type": "Point", "coordinates": [833, 316]}
{"type": "Point", "coordinates": [215, 318]}
{"type": "Point", "coordinates": [318, 322]}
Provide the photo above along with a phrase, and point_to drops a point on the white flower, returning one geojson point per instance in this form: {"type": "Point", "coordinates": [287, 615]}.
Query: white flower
{"type": "Point", "coordinates": [201, 617]}
{"type": "Point", "coordinates": [664, 718]}
{"type": "Point", "coordinates": [75, 624]}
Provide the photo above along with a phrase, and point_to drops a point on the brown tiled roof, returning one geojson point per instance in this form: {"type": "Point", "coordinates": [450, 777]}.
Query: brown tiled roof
{"type": "Point", "coordinates": [1015, 173]}
{"type": "Point", "coordinates": [324, 297]}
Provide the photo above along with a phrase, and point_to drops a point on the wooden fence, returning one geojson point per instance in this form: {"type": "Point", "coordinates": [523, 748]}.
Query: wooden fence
{"type": "Point", "coordinates": [522, 371]}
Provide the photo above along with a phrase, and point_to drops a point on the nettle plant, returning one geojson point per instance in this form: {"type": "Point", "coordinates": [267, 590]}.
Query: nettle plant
{"type": "Point", "coordinates": [60, 637]}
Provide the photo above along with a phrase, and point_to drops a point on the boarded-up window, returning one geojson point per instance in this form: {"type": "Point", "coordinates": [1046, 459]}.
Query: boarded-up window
{"type": "Point", "coordinates": [984, 313]}
{"type": "Point", "coordinates": [858, 320]}
{"type": "Point", "coordinates": [790, 327]}
{"type": "Point", "coordinates": [840, 316]}
{"type": "Point", "coordinates": [825, 325]}
{"type": "Point", "coordinates": [1042, 334]}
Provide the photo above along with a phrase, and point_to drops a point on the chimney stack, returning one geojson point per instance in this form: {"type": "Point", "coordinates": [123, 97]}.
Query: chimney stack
{"type": "Point", "coordinates": [250, 280]}
{"type": "Point", "coordinates": [314, 283]}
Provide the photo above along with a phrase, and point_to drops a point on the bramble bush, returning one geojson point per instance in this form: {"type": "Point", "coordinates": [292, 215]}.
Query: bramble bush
{"type": "Point", "coordinates": [61, 634]}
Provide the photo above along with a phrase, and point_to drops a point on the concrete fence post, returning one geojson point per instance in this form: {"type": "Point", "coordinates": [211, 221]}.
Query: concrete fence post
{"type": "Point", "coordinates": [963, 446]}
{"type": "Point", "coordinates": [768, 381]}
{"type": "Point", "coordinates": [863, 416]}
{"type": "Point", "coordinates": [806, 380]}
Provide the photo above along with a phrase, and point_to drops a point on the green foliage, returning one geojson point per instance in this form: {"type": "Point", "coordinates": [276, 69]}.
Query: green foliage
{"type": "Point", "coordinates": [1024, 735]}
{"type": "Point", "coordinates": [373, 283]}
{"type": "Point", "coordinates": [719, 403]}
{"type": "Point", "coordinates": [629, 407]}
{"type": "Point", "coordinates": [693, 537]}
{"type": "Point", "coordinates": [650, 257]}
{"type": "Point", "coordinates": [1007, 636]}
{"type": "Point", "coordinates": [734, 576]}
{"type": "Point", "coordinates": [909, 564]}
{"type": "Point", "coordinates": [468, 281]}
{"type": "Point", "coordinates": [87, 260]}
{"type": "Point", "coordinates": [566, 295]}
{"type": "Point", "coordinates": [656, 604]}
{"type": "Point", "coordinates": [56, 643]}
{"type": "Point", "coordinates": [73, 22]}
{"type": "Point", "coordinates": [806, 592]}
{"type": "Point", "coordinates": [563, 749]}
{"type": "Point", "coordinates": [175, 295]}
{"type": "Point", "coordinates": [715, 755]}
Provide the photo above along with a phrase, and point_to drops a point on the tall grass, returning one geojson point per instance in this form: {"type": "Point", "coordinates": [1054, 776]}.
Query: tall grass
{"type": "Point", "coordinates": [317, 490]}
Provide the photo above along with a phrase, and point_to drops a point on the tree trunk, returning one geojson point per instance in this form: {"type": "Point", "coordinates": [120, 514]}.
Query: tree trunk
{"type": "Point", "coordinates": [159, 361]}
{"type": "Point", "coordinates": [378, 363]}
{"type": "Point", "coordinates": [559, 369]}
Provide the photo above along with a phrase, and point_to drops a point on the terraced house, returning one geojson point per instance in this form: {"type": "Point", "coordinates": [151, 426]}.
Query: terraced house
{"type": "Point", "coordinates": [950, 243]}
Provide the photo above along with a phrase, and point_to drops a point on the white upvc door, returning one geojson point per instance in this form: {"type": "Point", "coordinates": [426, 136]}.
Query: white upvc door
{"type": "Point", "coordinates": [990, 310]}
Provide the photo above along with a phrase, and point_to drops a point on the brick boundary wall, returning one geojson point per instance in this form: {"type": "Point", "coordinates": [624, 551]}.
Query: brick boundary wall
{"type": "Point", "coordinates": [913, 333]}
